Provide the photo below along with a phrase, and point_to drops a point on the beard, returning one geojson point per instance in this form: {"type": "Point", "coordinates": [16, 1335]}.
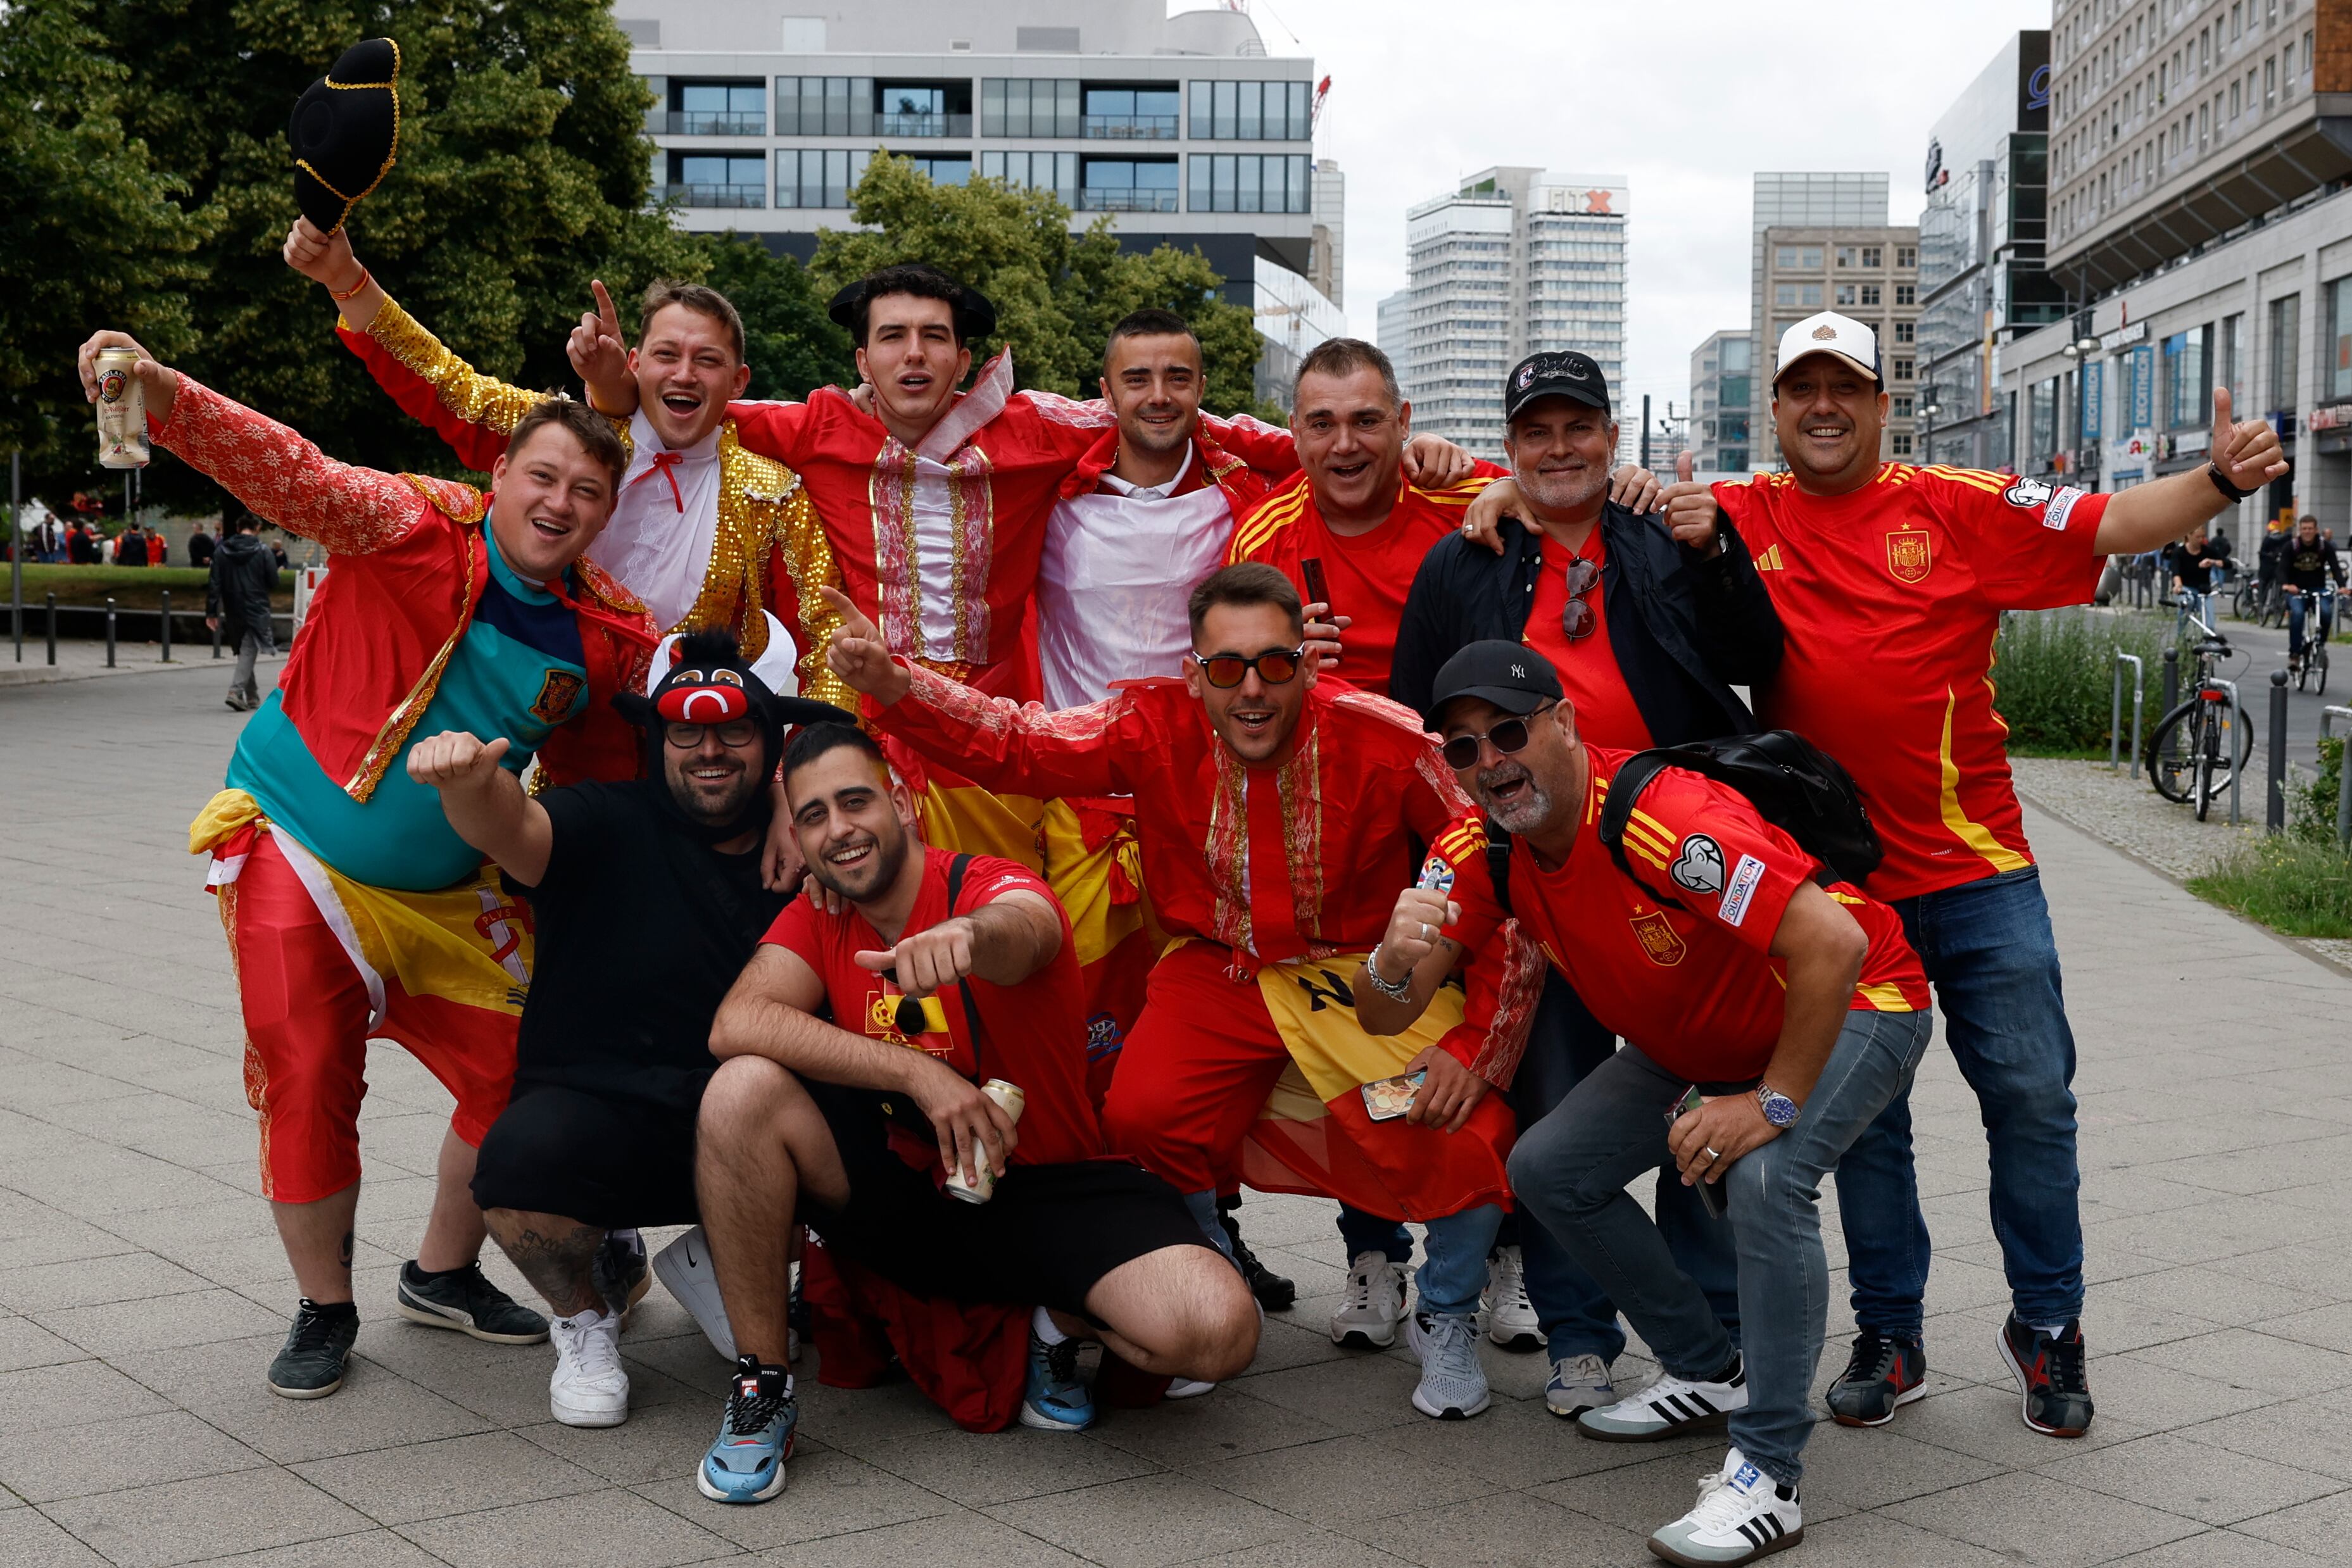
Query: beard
{"type": "Point", "coordinates": [1563, 490]}
{"type": "Point", "coordinates": [863, 882]}
{"type": "Point", "coordinates": [700, 804]}
{"type": "Point", "coordinates": [1525, 811]}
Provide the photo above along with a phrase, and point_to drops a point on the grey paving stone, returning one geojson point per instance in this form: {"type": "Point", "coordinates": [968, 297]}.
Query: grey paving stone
{"type": "Point", "coordinates": [455, 1475]}
{"type": "Point", "coordinates": [1148, 1522]}
{"type": "Point", "coordinates": [1358, 1393]}
{"type": "Point", "coordinates": [979, 1469]}
{"type": "Point", "coordinates": [181, 1522]}
{"type": "Point", "coordinates": [24, 1342]}
{"type": "Point", "coordinates": [2031, 1518]}
{"type": "Point", "coordinates": [2322, 1528]}
{"type": "Point", "coordinates": [2173, 1473]}
{"type": "Point", "coordinates": [1347, 1479]}
{"type": "Point", "coordinates": [2245, 1358]}
{"type": "Point", "coordinates": [966, 1539]}
{"type": "Point", "coordinates": [827, 1494]}
{"type": "Point", "coordinates": [1869, 1468]}
{"type": "Point", "coordinates": [1188, 1433]}
{"type": "Point", "coordinates": [35, 1398]}
{"type": "Point", "coordinates": [30, 1539]}
{"type": "Point", "coordinates": [160, 1322]}
{"type": "Point", "coordinates": [1514, 1530]}
{"type": "Point", "coordinates": [1874, 1541]}
{"type": "Point", "coordinates": [2220, 1548]}
{"type": "Point", "coordinates": [76, 1461]}
{"type": "Point", "coordinates": [224, 1383]}
{"type": "Point", "coordinates": [371, 1549]}
{"type": "Point", "coordinates": [597, 1530]}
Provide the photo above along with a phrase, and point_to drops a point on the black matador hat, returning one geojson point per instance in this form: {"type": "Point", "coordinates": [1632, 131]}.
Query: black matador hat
{"type": "Point", "coordinates": [346, 133]}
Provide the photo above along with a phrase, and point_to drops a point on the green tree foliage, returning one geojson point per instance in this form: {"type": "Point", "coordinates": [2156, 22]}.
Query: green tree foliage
{"type": "Point", "coordinates": [792, 346]}
{"type": "Point", "coordinates": [88, 229]}
{"type": "Point", "coordinates": [1057, 294]}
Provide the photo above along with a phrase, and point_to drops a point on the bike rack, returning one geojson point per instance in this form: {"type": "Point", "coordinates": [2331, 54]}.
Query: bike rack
{"type": "Point", "coordinates": [2237, 723]}
{"type": "Point", "coordinates": [2344, 777]}
{"type": "Point", "coordinates": [2116, 720]}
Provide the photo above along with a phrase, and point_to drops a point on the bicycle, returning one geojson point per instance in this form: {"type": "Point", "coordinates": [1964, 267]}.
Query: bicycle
{"type": "Point", "coordinates": [2318, 607]}
{"type": "Point", "coordinates": [2187, 761]}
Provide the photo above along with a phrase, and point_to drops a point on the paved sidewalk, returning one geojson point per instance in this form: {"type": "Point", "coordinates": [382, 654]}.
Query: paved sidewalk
{"type": "Point", "coordinates": [143, 1293]}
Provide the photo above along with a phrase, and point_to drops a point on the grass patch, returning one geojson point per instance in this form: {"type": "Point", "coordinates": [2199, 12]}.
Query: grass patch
{"type": "Point", "coordinates": [2289, 883]}
{"type": "Point", "coordinates": [2053, 674]}
{"type": "Point", "coordinates": [132, 587]}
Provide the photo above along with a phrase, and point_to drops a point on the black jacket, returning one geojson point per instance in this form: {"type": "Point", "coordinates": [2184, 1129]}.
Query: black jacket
{"type": "Point", "coordinates": [1685, 628]}
{"type": "Point", "coordinates": [244, 574]}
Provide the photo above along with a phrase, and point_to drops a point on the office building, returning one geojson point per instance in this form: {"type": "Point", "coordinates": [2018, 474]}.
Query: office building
{"type": "Point", "coordinates": [1722, 399]}
{"type": "Point", "coordinates": [1870, 272]}
{"type": "Point", "coordinates": [1981, 275]}
{"type": "Point", "coordinates": [1326, 255]}
{"type": "Point", "coordinates": [1182, 128]}
{"type": "Point", "coordinates": [1393, 325]}
{"type": "Point", "coordinates": [1512, 261]}
{"type": "Point", "coordinates": [1799, 199]}
{"type": "Point", "coordinates": [2199, 220]}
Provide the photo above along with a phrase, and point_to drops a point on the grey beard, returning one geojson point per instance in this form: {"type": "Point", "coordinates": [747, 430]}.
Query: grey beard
{"type": "Point", "coordinates": [1526, 814]}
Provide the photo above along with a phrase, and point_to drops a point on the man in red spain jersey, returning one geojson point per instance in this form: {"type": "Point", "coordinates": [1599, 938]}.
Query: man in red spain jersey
{"type": "Point", "coordinates": [1890, 581]}
{"type": "Point", "coordinates": [1272, 813]}
{"type": "Point", "coordinates": [1769, 1017]}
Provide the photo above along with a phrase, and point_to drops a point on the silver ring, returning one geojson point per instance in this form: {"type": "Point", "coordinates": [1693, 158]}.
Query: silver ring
{"type": "Point", "coordinates": [1711, 1154]}
{"type": "Point", "coordinates": [1424, 930]}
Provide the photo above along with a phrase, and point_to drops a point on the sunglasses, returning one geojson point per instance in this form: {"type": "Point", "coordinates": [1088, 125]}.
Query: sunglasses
{"type": "Point", "coordinates": [1276, 667]}
{"type": "Point", "coordinates": [1508, 737]}
{"type": "Point", "coordinates": [1576, 617]}
{"type": "Point", "coordinates": [736, 734]}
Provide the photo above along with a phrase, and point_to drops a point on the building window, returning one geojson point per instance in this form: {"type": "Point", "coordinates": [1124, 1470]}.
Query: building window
{"type": "Point", "coordinates": [950, 171]}
{"type": "Point", "coordinates": [2187, 378]}
{"type": "Point", "coordinates": [1899, 406]}
{"type": "Point", "coordinates": [1906, 294]}
{"type": "Point", "coordinates": [921, 109]}
{"type": "Point", "coordinates": [1799, 293]}
{"type": "Point", "coordinates": [824, 106]}
{"type": "Point", "coordinates": [1870, 292]}
{"type": "Point", "coordinates": [1252, 111]}
{"type": "Point", "coordinates": [2286, 331]}
{"type": "Point", "coordinates": [1133, 113]}
{"type": "Point", "coordinates": [1902, 370]}
{"type": "Point", "coordinates": [2041, 423]}
{"type": "Point", "coordinates": [1054, 172]}
{"type": "Point", "coordinates": [818, 176]}
{"type": "Point", "coordinates": [1128, 185]}
{"type": "Point", "coordinates": [718, 180]}
{"type": "Point", "coordinates": [1029, 106]}
{"type": "Point", "coordinates": [1254, 183]}
{"type": "Point", "coordinates": [2335, 375]}
{"type": "Point", "coordinates": [1904, 331]}
{"type": "Point", "coordinates": [716, 109]}
{"type": "Point", "coordinates": [1907, 257]}
{"type": "Point", "coordinates": [1808, 255]}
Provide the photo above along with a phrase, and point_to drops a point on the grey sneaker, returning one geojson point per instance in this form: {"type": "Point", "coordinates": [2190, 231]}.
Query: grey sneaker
{"type": "Point", "coordinates": [465, 1301]}
{"type": "Point", "coordinates": [309, 1365]}
{"type": "Point", "coordinates": [1452, 1384]}
{"type": "Point", "coordinates": [1578, 1383]}
{"type": "Point", "coordinates": [621, 1272]}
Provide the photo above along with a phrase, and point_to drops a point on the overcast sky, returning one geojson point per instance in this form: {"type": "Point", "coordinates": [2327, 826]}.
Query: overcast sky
{"type": "Point", "coordinates": [1688, 98]}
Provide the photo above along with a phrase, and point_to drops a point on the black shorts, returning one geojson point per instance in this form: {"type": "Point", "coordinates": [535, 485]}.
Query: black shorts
{"type": "Point", "coordinates": [599, 1160]}
{"type": "Point", "coordinates": [1044, 1239]}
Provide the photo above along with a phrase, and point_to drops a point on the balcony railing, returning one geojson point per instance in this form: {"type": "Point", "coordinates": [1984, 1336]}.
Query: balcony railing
{"type": "Point", "coordinates": [924, 124]}
{"type": "Point", "coordinates": [714, 195]}
{"type": "Point", "coordinates": [707, 122]}
{"type": "Point", "coordinates": [1120, 199]}
{"type": "Point", "coordinates": [1133, 127]}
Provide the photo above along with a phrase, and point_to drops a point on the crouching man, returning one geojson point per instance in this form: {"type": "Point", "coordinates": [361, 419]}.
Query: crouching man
{"type": "Point", "coordinates": [1768, 1014]}
{"type": "Point", "coordinates": [941, 971]}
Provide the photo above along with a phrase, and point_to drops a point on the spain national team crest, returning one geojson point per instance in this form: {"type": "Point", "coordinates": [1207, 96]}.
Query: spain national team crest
{"type": "Point", "coordinates": [1907, 555]}
{"type": "Point", "coordinates": [1659, 943]}
{"type": "Point", "coordinates": [556, 695]}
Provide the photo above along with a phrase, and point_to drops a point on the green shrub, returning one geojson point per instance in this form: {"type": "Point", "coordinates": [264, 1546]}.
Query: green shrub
{"type": "Point", "coordinates": [2311, 807]}
{"type": "Point", "coordinates": [2290, 884]}
{"type": "Point", "coordinates": [2053, 674]}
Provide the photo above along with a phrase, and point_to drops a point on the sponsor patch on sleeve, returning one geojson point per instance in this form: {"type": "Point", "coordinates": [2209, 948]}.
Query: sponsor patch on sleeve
{"type": "Point", "coordinates": [2062, 504]}
{"type": "Point", "coordinates": [1744, 878]}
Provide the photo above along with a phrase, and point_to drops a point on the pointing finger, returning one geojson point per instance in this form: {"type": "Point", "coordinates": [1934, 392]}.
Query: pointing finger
{"type": "Point", "coordinates": [1682, 468]}
{"type": "Point", "coordinates": [604, 301]}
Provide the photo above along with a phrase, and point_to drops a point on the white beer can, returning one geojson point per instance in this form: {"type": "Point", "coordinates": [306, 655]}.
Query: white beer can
{"type": "Point", "coordinates": [1009, 1100]}
{"type": "Point", "coordinates": [121, 411]}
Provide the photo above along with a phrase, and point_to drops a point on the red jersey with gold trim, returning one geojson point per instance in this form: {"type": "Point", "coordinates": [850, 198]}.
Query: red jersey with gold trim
{"type": "Point", "coordinates": [1891, 596]}
{"type": "Point", "coordinates": [1369, 573]}
{"type": "Point", "coordinates": [1691, 982]}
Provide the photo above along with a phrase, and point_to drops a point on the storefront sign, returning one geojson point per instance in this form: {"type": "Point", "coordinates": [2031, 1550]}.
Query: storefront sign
{"type": "Point", "coordinates": [2095, 413]}
{"type": "Point", "coordinates": [2140, 369]}
{"type": "Point", "coordinates": [2336, 417]}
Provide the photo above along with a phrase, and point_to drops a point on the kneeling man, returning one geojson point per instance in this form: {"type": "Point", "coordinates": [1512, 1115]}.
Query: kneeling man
{"type": "Point", "coordinates": [941, 971]}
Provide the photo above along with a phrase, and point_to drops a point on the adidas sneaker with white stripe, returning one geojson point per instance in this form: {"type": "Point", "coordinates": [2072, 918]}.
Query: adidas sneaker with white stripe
{"type": "Point", "coordinates": [1742, 1514]}
{"type": "Point", "coordinates": [1668, 1407]}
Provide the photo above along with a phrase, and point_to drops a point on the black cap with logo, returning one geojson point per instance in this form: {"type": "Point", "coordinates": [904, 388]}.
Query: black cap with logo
{"type": "Point", "coordinates": [1556, 372]}
{"type": "Point", "coordinates": [1511, 675]}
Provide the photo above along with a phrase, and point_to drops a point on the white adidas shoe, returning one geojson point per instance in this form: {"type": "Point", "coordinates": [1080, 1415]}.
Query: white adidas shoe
{"type": "Point", "coordinates": [1667, 1408]}
{"type": "Point", "coordinates": [1510, 1317]}
{"type": "Point", "coordinates": [590, 1388]}
{"type": "Point", "coordinates": [1372, 1305]}
{"type": "Point", "coordinates": [1742, 1514]}
{"type": "Point", "coordinates": [684, 1269]}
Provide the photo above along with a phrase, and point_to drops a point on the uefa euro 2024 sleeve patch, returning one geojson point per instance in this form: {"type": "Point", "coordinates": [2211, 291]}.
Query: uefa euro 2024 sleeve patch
{"type": "Point", "coordinates": [1435, 875]}
{"type": "Point", "coordinates": [1699, 866]}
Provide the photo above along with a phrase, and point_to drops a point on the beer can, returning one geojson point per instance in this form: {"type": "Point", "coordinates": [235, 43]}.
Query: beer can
{"type": "Point", "coordinates": [1009, 1100]}
{"type": "Point", "coordinates": [121, 411]}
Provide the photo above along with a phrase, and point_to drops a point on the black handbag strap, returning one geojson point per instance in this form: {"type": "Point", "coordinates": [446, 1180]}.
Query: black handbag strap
{"type": "Point", "coordinates": [956, 868]}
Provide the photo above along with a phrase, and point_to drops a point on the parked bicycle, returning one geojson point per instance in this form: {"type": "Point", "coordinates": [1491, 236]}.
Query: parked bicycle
{"type": "Point", "coordinates": [2199, 746]}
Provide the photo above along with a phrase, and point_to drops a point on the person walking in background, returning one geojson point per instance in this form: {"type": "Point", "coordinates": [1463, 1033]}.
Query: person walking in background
{"type": "Point", "coordinates": [81, 544]}
{"type": "Point", "coordinates": [200, 549]}
{"type": "Point", "coordinates": [131, 545]}
{"type": "Point", "coordinates": [237, 605]}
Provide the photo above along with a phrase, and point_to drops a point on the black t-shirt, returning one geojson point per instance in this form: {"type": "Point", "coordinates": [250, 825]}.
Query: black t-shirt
{"type": "Point", "coordinates": [2313, 565]}
{"type": "Point", "coordinates": [641, 932]}
{"type": "Point", "coordinates": [2186, 563]}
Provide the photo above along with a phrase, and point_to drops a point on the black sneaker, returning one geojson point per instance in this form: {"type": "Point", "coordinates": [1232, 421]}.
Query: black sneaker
{"type": "Point", "coordinates": [1881, 1377]}
{"type": "Point", "coordinates": [2050, 1376]}
{"type": "Point", "coordinates": [463, 1299]}
{"type": "Point", "coordinates": [1273, 1293]}
{"type": "Point", "coordinates": [309, 1364]}
{"type": "Point", "coordinates": [620, 1271]}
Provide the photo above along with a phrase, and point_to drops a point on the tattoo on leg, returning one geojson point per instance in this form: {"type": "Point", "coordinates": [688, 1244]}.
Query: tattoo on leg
{"type": "Point", "coordinates": [555, 1255]}
{"type": "Point", "coordinates": [347, 1252]}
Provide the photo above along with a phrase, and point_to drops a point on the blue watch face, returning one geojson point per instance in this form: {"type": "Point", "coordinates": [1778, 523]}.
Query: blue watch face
{"type": "Point", "coordinates": [1779, 1110]}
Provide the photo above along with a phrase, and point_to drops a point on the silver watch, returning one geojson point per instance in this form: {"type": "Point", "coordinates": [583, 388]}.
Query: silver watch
{"type": "Point", "coordinates": [1401, 991]}
{"type": "Point", "coordinates": [1778, 1108]}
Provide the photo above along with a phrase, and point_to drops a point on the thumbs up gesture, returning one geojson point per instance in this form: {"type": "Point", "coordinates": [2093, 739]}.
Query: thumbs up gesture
{"type": "Point", "coordinates": [1691, 511]}
{"type": "Point", "coordinates": [2247, 453]}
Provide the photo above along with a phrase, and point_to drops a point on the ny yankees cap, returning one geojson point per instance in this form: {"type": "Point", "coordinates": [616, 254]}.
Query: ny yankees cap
{"type": "Point", "coordinates": [1840, 337]}
{"type": "Point", "coordinates": [1556, 372]}
{"type": "Point", "coordinates": [1511, 675]}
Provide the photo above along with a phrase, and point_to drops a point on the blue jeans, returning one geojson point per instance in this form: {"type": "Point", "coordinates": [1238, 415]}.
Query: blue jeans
{"type": "Point", "coordinates": [1987, 948]}
{"type": "Point", "coordinates": [1564, 1046]}
{"type": "Point", "coordinates": [2297, 607]}
{"type": "Point", "coordinates": [1571, 1171]}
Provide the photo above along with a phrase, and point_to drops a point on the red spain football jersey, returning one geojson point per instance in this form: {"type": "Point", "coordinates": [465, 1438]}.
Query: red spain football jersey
{"type": "Point", "coordinates": [1032, 1034]}
{"type": "Point", "coordinates": [1691, 982]}
{"type": "Point", "coordinates": [1890, 597]}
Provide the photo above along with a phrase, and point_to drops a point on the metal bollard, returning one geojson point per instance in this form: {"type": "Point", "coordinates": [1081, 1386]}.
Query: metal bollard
{"type": "Point", "coordinates": [167, 626]}
{"type": "Point", "coordinates": [2171, 679]}
{"type": "Point", "coordinates": [2275, 814]}
{"type": "Point", "coordinates": [51, 615]}
{"type": "Point", "coordinates": [110, 632]}
{"type": "Point", "coordinates": [2115, 722]}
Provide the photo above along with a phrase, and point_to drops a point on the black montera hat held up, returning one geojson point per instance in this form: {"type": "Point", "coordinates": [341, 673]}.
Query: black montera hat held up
{"type": "Point", "coordinates": [346, 133]}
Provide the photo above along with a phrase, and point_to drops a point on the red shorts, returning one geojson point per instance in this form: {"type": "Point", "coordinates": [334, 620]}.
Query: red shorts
{"type": "Point", "coordinates": [306, 1033]}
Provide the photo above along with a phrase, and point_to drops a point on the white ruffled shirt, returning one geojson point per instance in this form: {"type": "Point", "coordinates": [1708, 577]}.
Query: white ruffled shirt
{"type": "Point", "coordinates": [658, 543]}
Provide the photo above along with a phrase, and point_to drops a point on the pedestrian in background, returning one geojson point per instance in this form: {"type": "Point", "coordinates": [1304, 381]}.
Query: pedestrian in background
{"type": "Point", "coordinates": [200, 549]}
{"type": "Point", "coordinates": [236, 604]}
{"type": "Point", "coordinates": [131, 546]}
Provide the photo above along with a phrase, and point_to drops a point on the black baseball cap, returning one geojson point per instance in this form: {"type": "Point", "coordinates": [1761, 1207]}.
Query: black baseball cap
{"type": "Point", "coordinates": [1555, 372]}
{"type": "Point", "coordinates": [1511, 675]}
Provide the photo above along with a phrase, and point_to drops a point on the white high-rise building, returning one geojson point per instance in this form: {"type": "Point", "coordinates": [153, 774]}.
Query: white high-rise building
{"type": "Point", "coordinates": [1514, 261]}
{"type": "Point", "coordinates": [1390, 334]}
{"type": "Point", "coordinates": [1326, 255]}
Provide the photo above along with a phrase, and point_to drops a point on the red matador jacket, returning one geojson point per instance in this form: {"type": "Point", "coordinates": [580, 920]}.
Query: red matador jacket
{"type": "Point", "coordinates": [1302, 859]}
{"type": "Point", "coordinates": [408, 564]}
{"type": "Point", "coordinates": [766, 550]}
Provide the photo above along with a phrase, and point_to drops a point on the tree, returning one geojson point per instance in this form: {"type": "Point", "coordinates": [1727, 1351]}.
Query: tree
{"type": "Point", "coordinates": [1056, 293]}
{"type": "Point", "coordinates": [89, 232]}
{"type": "Point", "coordinates": [792, 345]}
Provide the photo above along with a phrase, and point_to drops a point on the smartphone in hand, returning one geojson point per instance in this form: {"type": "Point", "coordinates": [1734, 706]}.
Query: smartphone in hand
{"type": "Point", "coordinates": [1710, 1193]}
{"type": "Point", "coordinates": [1319, 591]}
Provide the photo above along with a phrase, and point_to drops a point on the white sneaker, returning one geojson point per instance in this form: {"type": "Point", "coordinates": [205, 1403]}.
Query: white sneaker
{"type": "Point", "coordinates": [1186, 1389]}
{"type": "Point", "coordinates": [1667, 1408]}
{"type": "Point", "coordinates": [1742, 1514]}
{"type": "Point", "coordinates": [1511, 1320]}
{"type": "Point", "coordinates": [684, 1269]}
{"type": "Point", "coordinates": [1452, 1384]}
{"type": "Point", "coordinates": [590, 1388]}
{"type": "Point", "coordinates": [1373, 1304]}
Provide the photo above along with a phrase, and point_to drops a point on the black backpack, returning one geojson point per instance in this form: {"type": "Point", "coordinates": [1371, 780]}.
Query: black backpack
{"type": "Point", "coordinates": [1793, 785]}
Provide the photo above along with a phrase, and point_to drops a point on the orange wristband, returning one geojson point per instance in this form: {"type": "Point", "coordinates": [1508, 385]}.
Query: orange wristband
{"type": "Point", "coordinates": [339, 296]}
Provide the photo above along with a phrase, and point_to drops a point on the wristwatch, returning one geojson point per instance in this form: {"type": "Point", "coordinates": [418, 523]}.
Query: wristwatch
{"type": "Point", "coordinates": [1398, 991]}
{"type": "Point", "coordinates": [1778, 1108]}
{"type": "Point", "coordinates": [2222, 483]}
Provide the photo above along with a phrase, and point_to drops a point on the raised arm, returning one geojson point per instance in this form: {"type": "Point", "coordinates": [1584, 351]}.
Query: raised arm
{"type": "Point", "coordinates": [1004, 942]}
{"type": "Point", "coordinates": [2140, 518]}
{"type": "Point", "coordinates": [485, 803]}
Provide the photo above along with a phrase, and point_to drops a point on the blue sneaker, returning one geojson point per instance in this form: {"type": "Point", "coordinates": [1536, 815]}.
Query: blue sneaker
{"type": "Point", "coordinates": [746, 1463]}
{"type": "Point", "coordinates": [1058, 1399]}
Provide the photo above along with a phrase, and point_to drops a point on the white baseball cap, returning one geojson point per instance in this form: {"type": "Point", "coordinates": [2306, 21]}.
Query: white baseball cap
{"type": "Point", "coordinates": [1830, 333]}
